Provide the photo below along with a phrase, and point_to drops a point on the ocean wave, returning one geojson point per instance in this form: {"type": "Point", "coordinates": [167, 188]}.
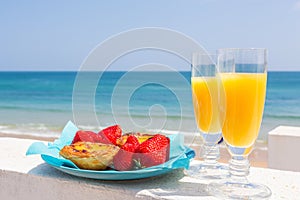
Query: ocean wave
{"type": "Point", "coordinates": [34, 108]}
{"type": "Point", "coordinates": [31, 129]}
{"type": "Point", "coordinates": [142, 115]}
{"type": "Point", "coordinates": [282, 116]}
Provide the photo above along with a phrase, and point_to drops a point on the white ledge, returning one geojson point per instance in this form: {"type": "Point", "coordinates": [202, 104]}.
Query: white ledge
{"type": "Point", "coordinates": [291, 131]}
{"type": "Point", "coordinates": [30, 178]}
{"type": "Point", "coordinates": [284, 148]}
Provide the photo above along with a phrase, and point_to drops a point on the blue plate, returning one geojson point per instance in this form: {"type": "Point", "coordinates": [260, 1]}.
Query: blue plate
{"type": "Point", "coordinates": [110, 174]}
{"type": "Point", "coordinates": [180, 157]}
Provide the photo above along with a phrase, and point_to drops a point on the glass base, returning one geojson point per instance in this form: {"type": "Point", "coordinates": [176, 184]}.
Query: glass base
{"type": "Point", "coordinates": [231, 189]}
{"type": "Point", "coordinates": [207, 171]}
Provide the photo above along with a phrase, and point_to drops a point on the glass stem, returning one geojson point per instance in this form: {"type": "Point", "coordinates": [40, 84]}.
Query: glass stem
{"type": "Point", "coordinates": [211, 153]}
{"type": "Point", "coordinates": [239, 168]}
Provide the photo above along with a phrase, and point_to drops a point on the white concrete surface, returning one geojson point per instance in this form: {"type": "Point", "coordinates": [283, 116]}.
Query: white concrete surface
{"type": "Point", "coordinates": [284, 148]}
{"type": "Point", "coordinates": [24, 177]}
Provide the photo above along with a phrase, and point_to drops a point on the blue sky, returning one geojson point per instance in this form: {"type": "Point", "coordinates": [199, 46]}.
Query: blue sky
{"type": "Point", "coordinates": [58, 35]}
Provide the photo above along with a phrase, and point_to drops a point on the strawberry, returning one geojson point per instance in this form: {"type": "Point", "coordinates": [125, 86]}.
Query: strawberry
{"type": "Point", "coordinates": [132, 139]}
{"type": "Point", "coordinates": [123, 161]}
{"type": "Point", "coordinates": [84, 136]}
{"type": "Point", "coordinates": [112, 133]}
{"type": "Point", "coordinates": [101, 139]}
{"type": "Point", "coordinates": [89, 136]}
{"type": "Point", "coordinates": [153, 151]}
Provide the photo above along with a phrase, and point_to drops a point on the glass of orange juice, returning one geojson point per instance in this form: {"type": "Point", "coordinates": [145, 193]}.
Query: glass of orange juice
{"type": "Point", "coordinates": [204, 85]}
{"type": "Point", "coordinates": [242, 75]}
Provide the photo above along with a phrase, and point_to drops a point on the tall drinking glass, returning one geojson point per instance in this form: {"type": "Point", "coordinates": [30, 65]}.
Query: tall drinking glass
{"type": "Point", "coordinates": [205, 101]}
{"type": "Point", "coordinates": [243, 77]}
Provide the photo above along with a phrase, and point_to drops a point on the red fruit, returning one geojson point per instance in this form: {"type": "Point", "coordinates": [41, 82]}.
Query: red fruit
{"type": "Point", "coordinates": [123, 160]}
{"type": "Point", "coordinates": [89, 136]}
{"type": "Point", "coordinates": [101, 138]}
{"type": "Point", "coordinates": [133, 140]}
{"type": "Point", "coordinates": [84, 136]}
{"type": "Point", "coordinates": [154, 151]}
{"type": "Point", "coordinates": [112, 133]}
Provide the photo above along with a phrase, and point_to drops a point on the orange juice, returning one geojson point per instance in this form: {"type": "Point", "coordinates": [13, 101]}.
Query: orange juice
{"type": "Point", "coordinates": [244, 98]}
{"type": "Point", "coordinates": [205, 100]}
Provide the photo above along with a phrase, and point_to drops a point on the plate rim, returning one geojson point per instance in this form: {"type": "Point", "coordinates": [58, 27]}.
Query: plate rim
{"type": "Point", "coordinates": [112, 174]}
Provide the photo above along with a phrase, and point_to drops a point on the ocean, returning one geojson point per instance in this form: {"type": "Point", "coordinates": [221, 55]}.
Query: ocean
{"type": "Point", "coordinates": [40, 103]}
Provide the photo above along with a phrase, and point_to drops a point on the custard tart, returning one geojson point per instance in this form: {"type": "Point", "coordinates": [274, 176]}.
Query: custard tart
{"type": "Point", "coordinates": [89, 155]}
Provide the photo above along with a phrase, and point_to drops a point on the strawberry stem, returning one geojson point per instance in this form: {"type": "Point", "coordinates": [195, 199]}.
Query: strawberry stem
{"type": "Point", "coordinates": [137, 164]}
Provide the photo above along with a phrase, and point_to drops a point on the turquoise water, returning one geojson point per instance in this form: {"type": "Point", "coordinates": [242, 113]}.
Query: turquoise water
{"type": "Point", "coordinates": [40, 103]}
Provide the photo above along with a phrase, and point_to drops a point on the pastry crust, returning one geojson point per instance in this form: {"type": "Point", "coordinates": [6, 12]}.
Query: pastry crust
{"type": "Point", "coordinates": [88, 155]}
